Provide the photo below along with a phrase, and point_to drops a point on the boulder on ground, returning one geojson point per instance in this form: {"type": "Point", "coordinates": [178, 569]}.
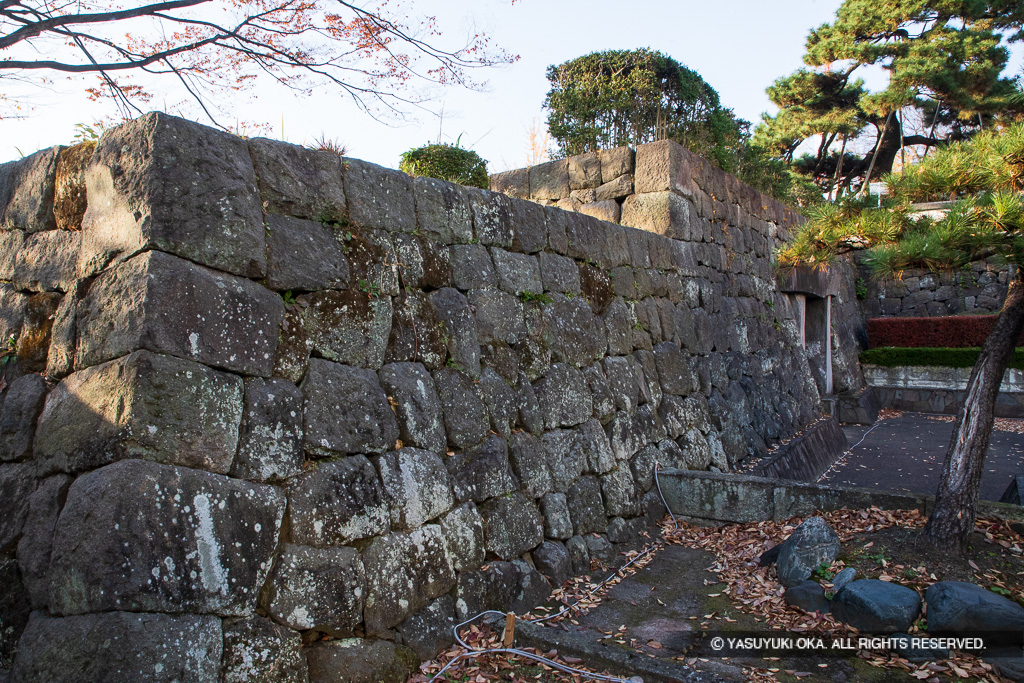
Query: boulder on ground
{"type": "Point", "coordinates": [961, 607]}
{"type": "Point", "coordinates": [812, 543]}
{"type": "Point", "coordinates": [877, 606]}
{"type": "Point", "coordinates": [808, 596]}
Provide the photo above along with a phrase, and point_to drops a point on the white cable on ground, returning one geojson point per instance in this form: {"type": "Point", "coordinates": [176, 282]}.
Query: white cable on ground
{"type": "Point", "coordinates": [472, 653]}
{"type": "Point", "coordinates": [842, 458]}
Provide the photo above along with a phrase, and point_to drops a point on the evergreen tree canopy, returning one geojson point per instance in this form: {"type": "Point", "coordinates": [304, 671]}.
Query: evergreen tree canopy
{"type": "Point", "coordinates": [945, 61]}
{"type": "Point", "coordinates": [631, 97]}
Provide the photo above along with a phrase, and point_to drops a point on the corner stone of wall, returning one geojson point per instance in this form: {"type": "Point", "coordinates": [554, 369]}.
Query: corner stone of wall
{"type": "Point", "coordinates": [264, 393]}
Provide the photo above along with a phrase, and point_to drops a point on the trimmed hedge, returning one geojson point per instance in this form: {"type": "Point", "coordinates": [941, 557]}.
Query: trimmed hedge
{"type": "Point", "coordinates": [447, 162]}
{"type": "Point", "coordinates": [954, 331]}
{"type": "Point", "coordinates": [962, 357]}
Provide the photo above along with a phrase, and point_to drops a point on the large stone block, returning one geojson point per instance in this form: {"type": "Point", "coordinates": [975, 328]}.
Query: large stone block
{"type": "Point", "coordinates": [404, 572]}
{"type": "Point", "coordinates": [168, 305]}
{"type": "Point", "coordinates": [160, 182]}
{"type": "Point", "coordinates": [500, 399]}
{"type": "Point", "coordinates": [420, 418]}
{"type": "Point", "coordinates": [69, 199]}
{"type": "Point", "coordinates": [21, 408]}
{"type": "Point", "coordinates": [11, 243]}
{"type": "Point", "coordinates": [620, 493]}
{"type": "Point", "coordinates": [666, 166]}
{"type": "Point", "coordinates": [529, 461]}
{"type": "Point", "coordinates": [46, 262]}
{"type": "Point", "coordinates": [320, 589]}
{"type": "Point", "coordinates": [350, 327]}
{"type": "Point", "coordinates": [572, 331]}
{"type": "Point", "coordinates": [297, 181]}
{"type": "Point", "coordinates": [144, 537]}
{"type": "Point", "coordinates": [459, 326]}
{"type": "Point", "coordinates": [565, 458]}
{"type": "Point", "coordinates": [492, 217]}
{"type": "Point", "coordinates": [515, 183]}
{"type": "Point", "coordinates": [550, 180]}
{"type": "Point", "coordinates": [36, 544]}
{"type": "Point", "coordinates": [443, 209]}
{"type": "Point", "coordinates": [379, 197]}
{"type": "Point", "coordinates": [663, 213]}
{"type": "Point", "coordinates": [512, 525]}
{"type": "Point", "coordinates": [586, 506]}
{"type": "Point", "coordinates": [463, 531]}
{"type": "Point", "coordinates": [465, 416]}
{"type": "Point", "coordinates": [270, 438]}
{"type": "Point", "coordinates": [120, 646]}
{"type": "Point", "coordinates": [564, 396]}
{"type": "Point", "coordinates": [12, 312]}
{"type": "Point", "coordinates": [616, 163]}
{"type": "Point", "coordinates": [557, 522]}
{"type": "Point", "coordinates": [337, 502]}
{"type": "Point", "coordinates": [15, 610]}
{"type": "Point", "coordinates": [517, 273]}
{"type": "Point", "coordinates": [559, 274]}
{"type": "Point", "coordinates": [357, 660]}
{"type": "Point", "coordinates": [431, 629]}
{"type": "Point", "coordinates": [346, 411]}
{"type": "Point", "coordinates": [303, 255]}
{"type": "Point", "coordinates": [256, 650]}
{"type": "Point", "coordinates": [482, 472]}
{"type": "Point", "coordinates": [472, 267]}
{"type": "Point", "coordinates": [584, 171]}
{"type": "Point", "coordinates": [26, 191]}
{"type": "Point", "coordinates": [416, 485]}
{"type": "Point", "coordinates": [529, 226]}
{"type": "Point", "coordinates": [417, 333]}
{"type": "Point", "coordinates": [60, 359]}
{"type": "Point", "coordinates": [36, 329]}
{"type": "Point", "coordinates": [17, 482]}
{"type": "Point", "coordinates": [499, 316]}
{"type": "Point", "coordinates": [143, 405]}
{"type": "Point", "coordinates": [491, 588]}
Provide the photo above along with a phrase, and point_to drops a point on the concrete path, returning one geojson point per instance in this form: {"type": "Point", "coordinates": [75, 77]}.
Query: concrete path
{"type": "Point", "coordinates": [906, 454]}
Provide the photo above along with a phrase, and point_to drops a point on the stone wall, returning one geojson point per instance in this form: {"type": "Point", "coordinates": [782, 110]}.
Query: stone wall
{"type": "Point", "coordinates": [277, 414]}
{"type": "Point", "coordinates": [976, 290]}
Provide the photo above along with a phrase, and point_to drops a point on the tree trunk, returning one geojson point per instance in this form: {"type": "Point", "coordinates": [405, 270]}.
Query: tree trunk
{"type": "Point", "coordinates": [952, 521]}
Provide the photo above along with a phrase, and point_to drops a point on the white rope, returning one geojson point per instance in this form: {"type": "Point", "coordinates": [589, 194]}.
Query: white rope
{"type": "Point", "coordinates": [842, 458]}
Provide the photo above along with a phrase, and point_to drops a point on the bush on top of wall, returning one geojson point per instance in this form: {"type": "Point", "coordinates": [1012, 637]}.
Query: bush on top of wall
{"type": "Point", "coordinates": [954, 331]}
{"type": "Point", "coordinates": [964, 357]}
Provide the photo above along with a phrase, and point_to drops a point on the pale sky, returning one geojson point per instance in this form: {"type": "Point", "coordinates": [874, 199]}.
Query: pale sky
{"type": "Point", "coordinates": [738, 46]}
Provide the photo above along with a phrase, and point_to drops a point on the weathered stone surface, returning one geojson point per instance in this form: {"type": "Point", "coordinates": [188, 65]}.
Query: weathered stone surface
{"type": "Point", "coordinates": [557, 521]}
{"type": "Point", "coordinates": [564, 396]}
{"type": "Point", "coordinates": [531, 417]}
{"type": "Point", "coordinates": [623, 382]}
{"type": "Point", "coordinates": [350, 326]}
{"type": "Point", "coordinates": [168, 305]}
{"type": "Point", "coordinates": [665, 165]}
{"type": "Point", "coordinates": [303, 255]}
{"type": "Point", "coordinates": [27, 191]}
{"type": "Point", "coordinates": [337, 502]}
{"type": "Point", "coordinates": [529, 226]}
{"type": "Point", "coordinates": [663, 213]}
{"type": "Point", "coordinates": [552, 560]}
{"type": "Point", "coordinates": [529, 461]}
{"type": "Point", "coordinates": [572, 331]}
{"type": "Point", "coordinates": [373, 261]}
{"type": "Point", "coordinates": [417, 405]}
{"type": "Point", "coordinates": [463, 531]}
{"type": "Point", "coordinates": [379, 197]}
{"type": "Point", "coordinates": [586, 506]}
{"type": "Point", "coordinates": [256, 650]}
{"type": "Point", "coordinates": [69, 198]}
{"type": "Point", "coordinates": [628, 531]}
{"type": "Point", "coordinates": [346, 411]}
{"type": "Point", "coordinates": [565, 458]}
{"type": "Point", "coordinates": [17, 482]}
{"type": "Point", "coordinates": [533, 590]}
{"type": "Point", "coordinates": [36, 544]}
{"type": "Point", "coordinates": [356, 660]}
{"type": "Point", "coordinates": [453, 310]}
{"type": "Point", "coordinates": [603, 399]}
{"type": "Point", "coordinates": [499, 316]}
{"type": "Point", "coordinates": [625, 435]}
{"type": "Point", "coordinates": [517, 273]}
{"type": "Point", "coordinates": [12, 311]}
{"type": "Point", "coordinates": [21, 408]}
{"type": "Point", "coordinates": [621, 497]}
{"type": "Point", "coordinates": [120, 646]}
{"type": "Point", "coordinates": [600, 550]}
{"type": "Point", "coordinates": [877, 606]}
{"type": "Point", "coordinates": [500, 399]}
{"type": "Point", "coordinates": [465, 417]}
{"type": "Point", "coordinates": [512, 525]}
{"type": "Point", "coordinates": [961, 607]}
{"type": "Point", "coordinates": [404, 572]}
{"type": "Point", "coordinates": [584, 171]}
{"type": "Point", "coordinates": [559, 274]}
{"type": "Point", "coordinates": [472, 267]}
{"type": "Point", "coordinates": [417, 333]}
{"type": "Point", "coordinates": [423, 262]}
{"type": "Point", "coordinates": [160, 182]}
{"type": "Point", "coordinates": [60, 359]}
{"type": "Point", "coordinates": [139, 536]}
{"type": "Point", "coordinates": [11, 243]}
{"type": "Point", "coordinates": [594, 446]}
{"type": "Point", "coordinates": [270, 438]}
{"type": "Point", "coordinates": [46, 261]}
{"type": "Point", "coordinates": [492, 217]}
{"type": "Point", "coordinates": [318, 589]}
{"type": "Point", "coordinates": [416, 485]}
{"type": "Point", "coordinates": [673, 369]}
{"type": "Point", "coordinates": [443, 209]}
{"type": "Point", "coordinates": [430, 630]}
{"type": "Point", "coordinates": [33, 343]}
{"type": "Point", "coordinates": [812, 543]}
{"type": "Point", "coordinates": [300, 182]}
{"type": "Point", "coordinates": [616, 188]}
{"type": "Point", "coordinates": [482, 472]}
{"type": "Point", "coordinates": [808, 596]}
{"type": "Point", "coordinates": [579, 555]}
{"type": "Point", "coordinates": [492, 588]}
{"type": "Point", "coordinates": [607, 210]}
{"type": "Point", "coordinates": [515, 183]}
{"type": "Point", "coordinates": [550, 180]}
{"type": "Point", "coordinates": [616, 163]}
{"type": "Point", "coordinates": [15, 609]}
{"type": "Point", "coordinates": [143, 405]}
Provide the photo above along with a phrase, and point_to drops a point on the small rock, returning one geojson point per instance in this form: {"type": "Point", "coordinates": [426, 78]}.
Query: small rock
{"type": "Point", "coordinates": [814, 542]}
{"type": "Point", "coordinates": [877, 606]}
{"type": "Point", "coordinates": [808, 596]}
{"type": "Point", "coordinates": [842, 578]}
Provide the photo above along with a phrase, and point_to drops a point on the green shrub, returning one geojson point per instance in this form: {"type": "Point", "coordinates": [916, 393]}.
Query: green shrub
{"type": "Point", "coordinates": [447, 162]}
{"type": "Point", "coordinates": [965, 357]}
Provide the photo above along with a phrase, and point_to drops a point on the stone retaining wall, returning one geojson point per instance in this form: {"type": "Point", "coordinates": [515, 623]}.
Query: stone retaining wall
{"type": "Point", "coordinates": [265, 395]}
{"type": "Point", "coordinates": [928, 389]}
{"type": "Point", "coordinates": [922, 293]}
